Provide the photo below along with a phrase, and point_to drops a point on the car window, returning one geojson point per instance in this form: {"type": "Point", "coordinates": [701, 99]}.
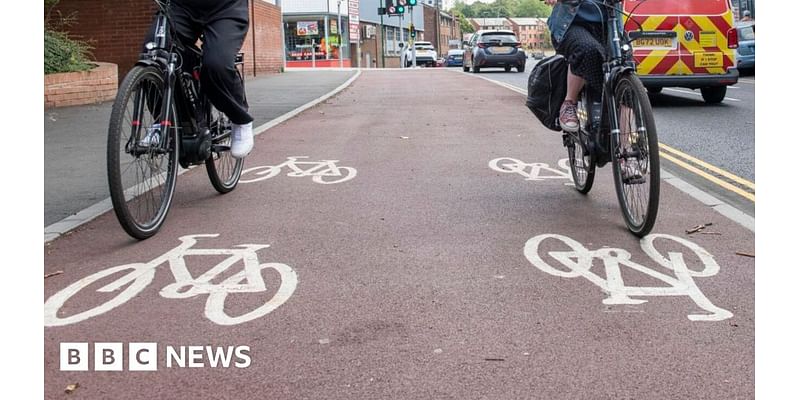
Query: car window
{"type": "Point", "coordinates": [747, 33]}
{"type": "Point", "coordinates": [424, 47]}
{"type": "Point", "coordinates": [498, 37]}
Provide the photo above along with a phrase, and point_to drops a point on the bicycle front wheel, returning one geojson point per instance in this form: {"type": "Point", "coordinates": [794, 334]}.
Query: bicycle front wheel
{"type": "Point", "coordinates": [142, 155]}
{"type": "Point", "coordinates": [636, 167]}
{"type": "Point", "coordinates": [223, 169]}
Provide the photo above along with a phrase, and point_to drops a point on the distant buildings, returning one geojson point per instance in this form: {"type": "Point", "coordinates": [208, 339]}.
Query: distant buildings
{"type": "Point", "coordinates": [490, 23]}
{"type": "Point", "coordinates": [531, 32]}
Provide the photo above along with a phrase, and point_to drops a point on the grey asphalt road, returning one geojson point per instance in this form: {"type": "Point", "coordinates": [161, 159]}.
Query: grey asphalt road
{"type": "Point", "coordinates": [75, 137]}
{"type": "Point", "coordinates": [722, 135]}
{"type": "Point", "coordinates": [434, 257]}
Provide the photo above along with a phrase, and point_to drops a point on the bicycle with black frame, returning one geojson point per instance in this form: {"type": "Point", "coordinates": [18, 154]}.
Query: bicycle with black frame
{"type": "Point", "coordinates": [617, 126]}
{"type": "Point", "coordinates": [159, 120]}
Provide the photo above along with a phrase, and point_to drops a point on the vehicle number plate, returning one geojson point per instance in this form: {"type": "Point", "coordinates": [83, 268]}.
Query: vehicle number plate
{"type": "Point", "coordinates": [501, 50]}
{"type": "Point", "coordinates": [655, 43]}
{"type": "Point", "coordinates": [706, 60]}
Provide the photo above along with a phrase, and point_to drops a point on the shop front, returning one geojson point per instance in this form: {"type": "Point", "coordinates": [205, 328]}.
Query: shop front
{"type": "Point", "coordinates": [316, 40]}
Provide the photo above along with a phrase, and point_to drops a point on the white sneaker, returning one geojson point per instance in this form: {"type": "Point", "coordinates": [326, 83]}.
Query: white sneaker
{"type": "Point", "coordinates": [242, 141]}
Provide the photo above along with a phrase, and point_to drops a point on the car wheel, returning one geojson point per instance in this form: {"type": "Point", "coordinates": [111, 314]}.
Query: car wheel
{"type": "Point", "coordinates": [654, 89]}
{"type": "Point", "coordinates": [521, 68]}
{"type": "Point", "coordinates": [508, 69]}
{"type": "Point", "coordinates": [714, 94]}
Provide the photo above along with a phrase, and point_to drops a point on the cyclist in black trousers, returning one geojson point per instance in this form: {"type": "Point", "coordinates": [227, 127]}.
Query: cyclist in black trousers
{"type": "Point", "coordinates": [223, 24]}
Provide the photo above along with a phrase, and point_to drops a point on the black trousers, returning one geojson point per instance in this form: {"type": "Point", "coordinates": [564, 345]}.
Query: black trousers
{"type": "Point", "coordinates": [223, 24]}
{"type": "Point", "coordinates": [583, 49]}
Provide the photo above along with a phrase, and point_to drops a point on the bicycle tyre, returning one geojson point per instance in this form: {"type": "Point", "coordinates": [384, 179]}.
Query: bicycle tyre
{"type": "Point", "coordinates": [640, 216]}
{"type": "Point", "coordinates": [583, 178]}
{"type": "Point", "coordinates": [149, 81]}
{"type": "Point", "coordinates": [223, 169]}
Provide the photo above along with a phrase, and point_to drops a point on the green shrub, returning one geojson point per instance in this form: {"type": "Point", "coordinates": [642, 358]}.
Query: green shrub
{"type": "Point", "coordinates": [62, 53]}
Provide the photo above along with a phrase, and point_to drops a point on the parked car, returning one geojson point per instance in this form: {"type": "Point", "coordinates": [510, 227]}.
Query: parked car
{"type": "Point", "coordinates": [537, 55]}
{"type": "Point", "coordinates": [691, 44]}
{"type": "Point", "coordinates": [455, 58]}
{"type": "Point", "coordinates": [440, 62]}
{"type": "Point", "coordinates": [493, 49]}
{"type": "Point", "coordinates": [746, 53]}
{"type": "Point", "coordinates": [426, 54]}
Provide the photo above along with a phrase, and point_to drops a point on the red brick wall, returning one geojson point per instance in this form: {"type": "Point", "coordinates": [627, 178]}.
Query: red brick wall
{"type": "Point", "coordinates": [371, 46]}
{"type": "Point", "coordinates": [431, 17]}
{"type": "Point", "coordinates": [116, 30]}
{"type": "Point", "coordinates": [263, 44]}
{"type": "Point", "coordinates": [85, 87]}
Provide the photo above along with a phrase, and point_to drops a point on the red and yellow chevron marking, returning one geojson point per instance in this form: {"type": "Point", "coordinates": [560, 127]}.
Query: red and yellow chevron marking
{"type": "Point", "coordinates": [681, 61]}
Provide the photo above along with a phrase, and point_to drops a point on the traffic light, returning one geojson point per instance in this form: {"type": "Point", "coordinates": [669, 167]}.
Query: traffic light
{"type": "Point", "coordinates": [412, 3]}
{"type": "Point", "coordinates": [413, 31]}
{"type": "Point", "coordinates": [395, 7]}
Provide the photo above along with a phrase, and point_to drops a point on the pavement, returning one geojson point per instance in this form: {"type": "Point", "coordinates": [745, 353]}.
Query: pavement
{"type": "Point", "coordinates": [440, 256]}
{"type": "Point", "coordinates": [75, 137]}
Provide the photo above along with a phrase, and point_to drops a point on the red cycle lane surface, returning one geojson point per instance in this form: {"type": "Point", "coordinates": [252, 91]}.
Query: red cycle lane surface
{"type": "Point", "coordinates": [423, 273]}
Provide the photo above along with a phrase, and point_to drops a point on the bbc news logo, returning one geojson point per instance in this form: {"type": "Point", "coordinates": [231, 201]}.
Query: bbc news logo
{"type": "Point", "coordinates": [109, 356]}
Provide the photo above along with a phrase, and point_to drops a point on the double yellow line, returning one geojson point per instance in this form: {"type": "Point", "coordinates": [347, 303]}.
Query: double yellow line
{"type": "Point", "coordinates": [711, 173]}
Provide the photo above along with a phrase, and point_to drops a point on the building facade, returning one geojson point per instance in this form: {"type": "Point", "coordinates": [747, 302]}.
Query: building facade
{"type": "Point", "coordinates": [117, 28]}
{"type": "Point", "coordinates": [443, 30]}
{"type": "Point", "coordinates": [531, 32]}
{"type": "Point", "coordinates": [380, 36]}
{"type": "Point", "coordinates": [317, 33]}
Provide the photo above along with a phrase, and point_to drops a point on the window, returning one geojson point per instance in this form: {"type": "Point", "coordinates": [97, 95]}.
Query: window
{"type": "Point", "coordinates": [747, 33]}
{"type": "Point", "coordinates": [392, 43]}
{"type": "Point", "coordinates": [492, 37]}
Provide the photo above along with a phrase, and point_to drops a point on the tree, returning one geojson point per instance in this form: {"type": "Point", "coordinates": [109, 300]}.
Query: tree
{"type": "Point", "coordinates": [503, 8]}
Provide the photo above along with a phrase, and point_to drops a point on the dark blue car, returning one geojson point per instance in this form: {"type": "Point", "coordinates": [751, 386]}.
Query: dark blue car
{"type": "Point", "coordinates": [455, 58]}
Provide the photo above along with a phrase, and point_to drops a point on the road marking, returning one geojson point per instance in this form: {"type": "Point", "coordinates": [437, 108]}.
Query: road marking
{"type": "Point", "coordinates": [535, 171]}
{"type": "Point", "coordinates": [695, 93]}
{"type": "Point", "coordinates": [56, 229]}
{"type": "Point", "coordinates": [710, 167]}
{"type": "Point", "coordinates": [578, 261]}
{"type": "Point", "coordinates": [709, 177]}
{"type": "Point", "coordinates": [249, 280]}
{"type": "Point", "coordinates": [704, 197]}
{"type": "Point", "coordinates": [318, 170]}
{"type": "Point", "coordinates": [747, 81]}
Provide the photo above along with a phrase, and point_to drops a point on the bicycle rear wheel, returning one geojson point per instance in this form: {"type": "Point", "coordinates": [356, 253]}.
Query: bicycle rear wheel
{"type": "Point", "coordinates": [636, 167]}
{"type": "Point", "coordinates": [142, 155]}
{"type": "Point", "coordinates": [223, 169]}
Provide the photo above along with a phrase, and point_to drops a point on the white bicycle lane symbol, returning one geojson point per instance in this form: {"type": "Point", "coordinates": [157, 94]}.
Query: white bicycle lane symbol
{"type": "Point", "coordinates": [325, 172]}
{"type": "Point", "coordinates": [533, 171]}
{"type": "Point", "coordinates": [140, 275]}
{"type": "Point", "coordinates": [578, 262]}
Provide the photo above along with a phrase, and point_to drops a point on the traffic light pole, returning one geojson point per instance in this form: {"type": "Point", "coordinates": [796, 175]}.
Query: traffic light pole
{"type": "Point", "coordinates": [403, 50]}
{"type": "Point", "coordinates": [413, 47]}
